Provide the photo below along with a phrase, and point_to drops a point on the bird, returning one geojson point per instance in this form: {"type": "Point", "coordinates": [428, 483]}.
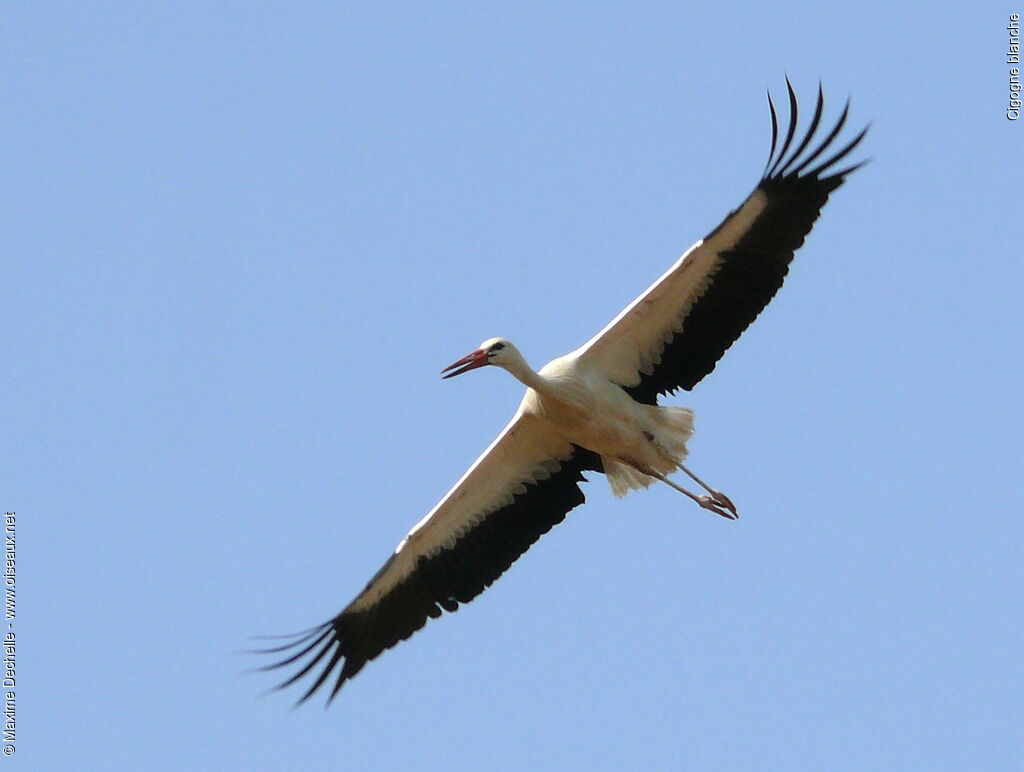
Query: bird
{"type": "Point", "coordinates": [593, 410]}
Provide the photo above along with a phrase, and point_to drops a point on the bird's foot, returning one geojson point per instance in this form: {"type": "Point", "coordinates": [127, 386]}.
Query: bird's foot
{"type": "Point", "coordinates": [725, 502]}
{"type": "Point", "coordinates": [719, 499]}
{"type": "Point", "coordinates": [718, 504]}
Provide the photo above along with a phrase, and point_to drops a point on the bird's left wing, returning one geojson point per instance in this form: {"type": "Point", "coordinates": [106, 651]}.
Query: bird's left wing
{"type": "Point", "coordinates": [676, 331]}
{"type": "Point", "coordinates": [521, 486]}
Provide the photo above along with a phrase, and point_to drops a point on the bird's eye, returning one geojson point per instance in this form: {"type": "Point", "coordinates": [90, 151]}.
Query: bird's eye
{"type": "Point", "coordinates": [497, 347]}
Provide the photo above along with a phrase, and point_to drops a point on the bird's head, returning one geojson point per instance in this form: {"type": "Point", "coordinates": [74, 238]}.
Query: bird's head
{"type": "Point", "coordinates": [494, 351]}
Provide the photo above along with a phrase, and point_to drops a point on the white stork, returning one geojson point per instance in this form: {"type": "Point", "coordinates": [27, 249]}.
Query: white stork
{"type": "Point", "coordinates": [592, 410]}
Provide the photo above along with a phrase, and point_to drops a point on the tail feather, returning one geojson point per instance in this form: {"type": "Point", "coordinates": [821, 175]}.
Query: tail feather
{"type": "Point", "coordinates": [623, 478]}
{"type": "Point", "coordinates": [676, 430]}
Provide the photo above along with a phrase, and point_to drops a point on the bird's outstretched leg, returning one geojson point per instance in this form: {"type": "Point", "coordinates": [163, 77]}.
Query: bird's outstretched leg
{"type": "Point", "coordinates": [717, 496]}
{"type": "Point", "coordinates": [707, 502]}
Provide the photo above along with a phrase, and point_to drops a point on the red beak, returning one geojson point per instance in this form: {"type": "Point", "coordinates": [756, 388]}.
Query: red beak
{"type": "Point", "coordinates": [469, 362]}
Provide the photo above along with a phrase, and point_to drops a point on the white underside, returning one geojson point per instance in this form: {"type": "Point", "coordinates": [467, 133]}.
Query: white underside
{"type": "Point", "coordinates": [674, 429]}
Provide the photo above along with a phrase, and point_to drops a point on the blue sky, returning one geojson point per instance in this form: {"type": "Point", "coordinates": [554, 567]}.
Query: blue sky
{"type": "Point", "coordinates": [240, 242]}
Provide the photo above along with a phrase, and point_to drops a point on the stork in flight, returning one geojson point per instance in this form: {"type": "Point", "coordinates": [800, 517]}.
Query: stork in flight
{"type": "Point", "coordinates": [592, 410]}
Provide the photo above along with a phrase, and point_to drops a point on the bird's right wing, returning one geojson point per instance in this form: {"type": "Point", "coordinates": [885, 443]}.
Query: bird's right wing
{"type": "Point", "coordinates": [521, 486]}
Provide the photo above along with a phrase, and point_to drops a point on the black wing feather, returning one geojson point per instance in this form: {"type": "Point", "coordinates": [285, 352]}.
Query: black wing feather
{"type": "Point", "coordinates": [753, 270]}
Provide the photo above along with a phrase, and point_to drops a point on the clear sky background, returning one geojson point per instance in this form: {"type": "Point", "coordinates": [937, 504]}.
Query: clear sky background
{"type": "Point", "coordinates": [239, 241]}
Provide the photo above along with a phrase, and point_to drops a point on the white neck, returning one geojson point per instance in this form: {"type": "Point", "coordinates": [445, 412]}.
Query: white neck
{"type": "Point", "coordinates": [518, 367]}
